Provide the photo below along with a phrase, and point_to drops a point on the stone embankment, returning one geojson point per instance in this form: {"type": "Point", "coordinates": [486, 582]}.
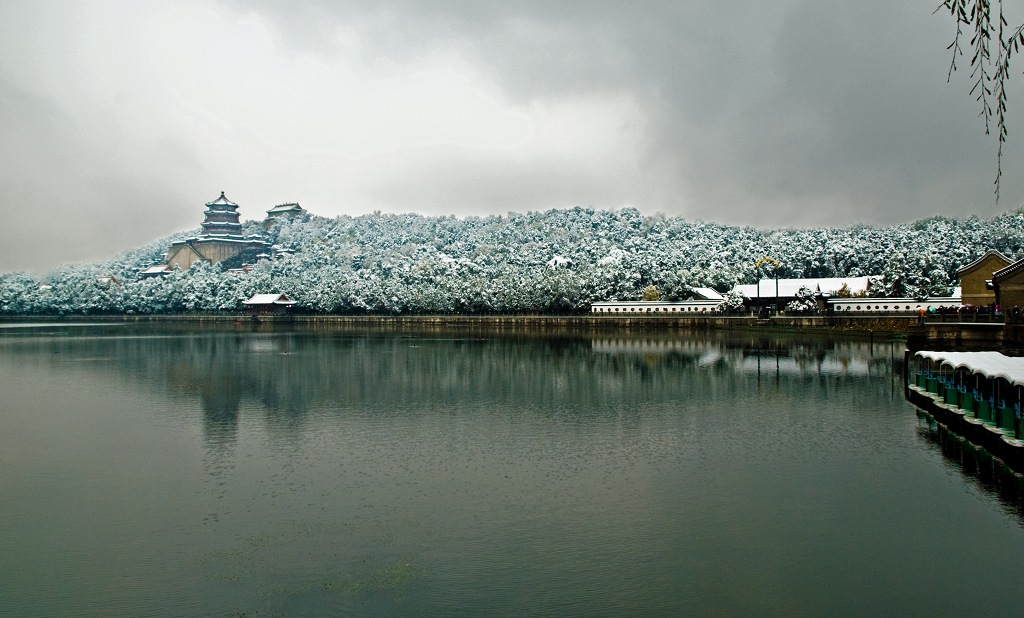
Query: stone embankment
{"type": "Point", "coordinates": [968, 337]}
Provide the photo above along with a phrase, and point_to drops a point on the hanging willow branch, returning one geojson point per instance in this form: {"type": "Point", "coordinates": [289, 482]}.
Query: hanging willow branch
{"type": "Point", "coordinates": [989, 75]}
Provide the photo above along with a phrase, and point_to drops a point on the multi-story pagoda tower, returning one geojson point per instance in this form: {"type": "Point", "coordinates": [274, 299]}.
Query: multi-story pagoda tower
{"type": "Point", "coordinates": [222, 218]}
{"type": "Point", "coordinates": [221, 240]}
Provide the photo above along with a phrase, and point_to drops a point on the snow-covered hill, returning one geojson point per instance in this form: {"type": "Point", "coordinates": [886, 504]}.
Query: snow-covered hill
{"type": "Point", "coordinates": [507, 264]}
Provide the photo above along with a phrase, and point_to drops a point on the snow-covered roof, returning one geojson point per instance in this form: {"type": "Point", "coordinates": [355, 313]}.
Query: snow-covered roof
{"type": "Point", "coordinates": [559, 262]}
{"type": "Point", "coordinates": [1009, 270]}
{"type": "Point", "coordinates": [977, 262]}
{"type": "Point", "coordinates": [656, 303]}
{"type": "Point", "coordinates": [221, 201]}
{"type": "Point", "coordinates": [156, 270]}
{"type": "Point", "coordinates": [233, 238]}
{"type": "Point", "coordinates": [708, 294]}
{"type": "Point", "coordinates": [988, 364]}
{"type": "Point", "coordinates": [290, 207]}
{"type": "Point", "coordinates": [269, 299]}
{"type": "Point", "coordinates": [787, 288]}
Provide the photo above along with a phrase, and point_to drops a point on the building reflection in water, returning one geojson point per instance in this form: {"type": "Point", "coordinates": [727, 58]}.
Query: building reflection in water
{"type": "Point", "coordinates": [277, 385]}
{"type": "Point", "coordinates": [277, 379]}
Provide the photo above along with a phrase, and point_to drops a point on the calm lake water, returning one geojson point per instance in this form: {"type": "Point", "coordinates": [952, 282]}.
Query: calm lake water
{"type": "Point", "coordinates": [222, 472]}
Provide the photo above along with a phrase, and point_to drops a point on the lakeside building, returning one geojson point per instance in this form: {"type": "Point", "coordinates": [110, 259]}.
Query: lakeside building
{"type": "Point", "coordinates": [648, 306]}
{"type": "Point", "coordinates": [221, 239]}
{"type": "Point", "coordinates": [708, 301]}
{"type": "Point", "coordinates": [976, 279]}
{"type": "Point", "coordinates": [703, 300]}
{"type": "Point", "coordinates": [1008, 286]}
{"type": "Point", "coordinates": [268, 304]}
{"type": "Point", "coordinates": [782, 291]}
{"type": "Point", "coordinates": [893, 305]}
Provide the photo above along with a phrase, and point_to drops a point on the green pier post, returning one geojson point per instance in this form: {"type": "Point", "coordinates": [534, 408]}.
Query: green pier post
{"type": "Point", "coordinates": [1004, 418]}
{"type": "Point", "coordinates": [984, 411]}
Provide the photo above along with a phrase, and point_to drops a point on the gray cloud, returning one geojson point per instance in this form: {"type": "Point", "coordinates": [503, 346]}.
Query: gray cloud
{"type": "Point", "coordinates": [783, 113]}
{"type": "Point", "coordinates": [787, 113]}
{"type": "Point", "coordinates": [71, 196]}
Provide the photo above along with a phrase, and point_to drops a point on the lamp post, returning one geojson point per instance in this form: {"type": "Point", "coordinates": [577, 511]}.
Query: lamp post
{"type": "Point", "coordinates": [776, 289]}
{"type": "Point", "coordinates": [757, 270]}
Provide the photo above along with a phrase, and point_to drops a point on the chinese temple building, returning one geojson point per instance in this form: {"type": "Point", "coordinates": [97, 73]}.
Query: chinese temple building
{"type": "Point", "coordinates": [221, 239]}
{"type": "Point", "coordinates": [222, 218]}
{"type": "Point", "coordinates": [269, 303]}
{"type": "Point", "coordinates": [291, 210]}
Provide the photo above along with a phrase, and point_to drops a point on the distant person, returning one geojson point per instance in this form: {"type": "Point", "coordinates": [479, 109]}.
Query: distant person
{"type": "Point", "coordinates": [920, 315]}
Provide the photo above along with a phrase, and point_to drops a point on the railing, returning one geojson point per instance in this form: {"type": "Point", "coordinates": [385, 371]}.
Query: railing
{"type": "Point", "coordinates": [969, 317]}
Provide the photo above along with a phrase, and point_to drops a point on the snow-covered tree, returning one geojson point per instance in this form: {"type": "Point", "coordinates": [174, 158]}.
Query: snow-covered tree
{"type": "Point", "coordinates": [804, 301]}
{"type": "Point", "coordinates": [733, 303]}
{"type": "Point", "coordinates": [414, 264]}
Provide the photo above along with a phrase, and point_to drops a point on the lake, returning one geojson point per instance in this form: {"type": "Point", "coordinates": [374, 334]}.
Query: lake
{"type": "Point", "coordinates": [227, 471]}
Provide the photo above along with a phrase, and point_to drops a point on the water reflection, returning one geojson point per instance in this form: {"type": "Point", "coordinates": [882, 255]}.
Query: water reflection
{"type": "Point", "coordinates": [287, 376]}
{"type": "Point", "coordinates": [769, 356]}
{"type": "Point", "coordinates": [229, 471]}
{"type": "Point", "coordinates": [975, 464]}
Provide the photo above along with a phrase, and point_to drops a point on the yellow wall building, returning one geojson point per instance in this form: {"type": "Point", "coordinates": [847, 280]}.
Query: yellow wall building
{"type": "Point", "coordinates": [974, 276]}
{"type": "Point", "coordinates": [1009, 287]}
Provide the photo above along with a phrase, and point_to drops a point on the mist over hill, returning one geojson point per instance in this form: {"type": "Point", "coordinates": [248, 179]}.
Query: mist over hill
{"type": "Point", "coordinates": [556, 261]}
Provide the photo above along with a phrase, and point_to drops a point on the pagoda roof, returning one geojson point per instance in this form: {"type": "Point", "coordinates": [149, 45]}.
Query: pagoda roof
{"type": "Point", "coordinates": [221, 201]}
{"type": "Point", "coordinates": [289, 207]}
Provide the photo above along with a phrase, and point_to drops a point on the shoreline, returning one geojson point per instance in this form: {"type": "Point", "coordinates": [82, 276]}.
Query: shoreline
{"type": "Point", "coordinates": [880, 328]}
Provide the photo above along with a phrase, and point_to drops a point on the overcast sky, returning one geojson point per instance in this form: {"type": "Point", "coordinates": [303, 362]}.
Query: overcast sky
{"type": "Point", "coordinates": [121, 119]}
